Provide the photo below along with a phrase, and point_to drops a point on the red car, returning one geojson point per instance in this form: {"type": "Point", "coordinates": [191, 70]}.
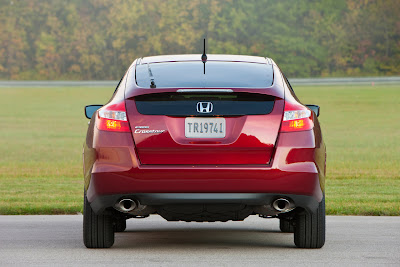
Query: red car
{"type": "Point", "coordinates": [204, 138]}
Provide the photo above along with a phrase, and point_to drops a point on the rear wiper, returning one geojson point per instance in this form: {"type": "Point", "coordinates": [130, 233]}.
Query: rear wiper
{"type": "Point", "coordinates": [152, 83]}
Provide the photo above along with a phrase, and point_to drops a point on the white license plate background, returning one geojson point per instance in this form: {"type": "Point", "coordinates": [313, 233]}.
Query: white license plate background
{"type": "Point", "coordinates": [205, 127]}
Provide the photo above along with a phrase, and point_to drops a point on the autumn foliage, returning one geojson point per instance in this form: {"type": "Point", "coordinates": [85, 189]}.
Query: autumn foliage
{"type": "Point", "coordinates": [98, 39]}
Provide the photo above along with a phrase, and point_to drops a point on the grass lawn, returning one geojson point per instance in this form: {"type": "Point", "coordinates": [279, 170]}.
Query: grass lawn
{"type": "Point", "coordinates": [43, 130]}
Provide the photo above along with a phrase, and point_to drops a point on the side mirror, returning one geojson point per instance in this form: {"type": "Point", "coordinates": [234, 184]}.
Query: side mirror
{"type": "Point", "coordinates": [314, 108]}
{"type": "Point", "coordinates": [90, 110]}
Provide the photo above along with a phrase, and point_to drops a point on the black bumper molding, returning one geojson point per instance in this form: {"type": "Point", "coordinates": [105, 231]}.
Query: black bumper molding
{"type": "Point", "coordinates": [101, 203]}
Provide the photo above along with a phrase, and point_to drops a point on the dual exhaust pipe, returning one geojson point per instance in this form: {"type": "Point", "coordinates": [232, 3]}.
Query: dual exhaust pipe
{"type": "Point", "coordinates": [127, 205]}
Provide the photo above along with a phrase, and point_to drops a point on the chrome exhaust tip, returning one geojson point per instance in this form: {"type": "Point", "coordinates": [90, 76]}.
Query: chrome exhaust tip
{"type": "Point", "coordinates": [126, 205]}
{"type": "Point", "coordinates": [283, 205]}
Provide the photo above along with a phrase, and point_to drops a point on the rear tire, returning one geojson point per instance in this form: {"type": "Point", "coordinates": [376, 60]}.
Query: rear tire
{"type": "Point", "coordinates": [286, 225]}
{"type": "Point", "coordinates": [309, 231]}
{"type": "Point", "coordinates": [98, 230]}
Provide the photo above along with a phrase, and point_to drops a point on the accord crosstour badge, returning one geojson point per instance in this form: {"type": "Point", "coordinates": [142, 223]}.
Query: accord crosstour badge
{"type": "Point", "coordinates": [204, 107]}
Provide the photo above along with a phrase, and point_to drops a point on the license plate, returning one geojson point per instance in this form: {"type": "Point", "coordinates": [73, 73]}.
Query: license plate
{"type": "Point", "coordinates": [205, 127]}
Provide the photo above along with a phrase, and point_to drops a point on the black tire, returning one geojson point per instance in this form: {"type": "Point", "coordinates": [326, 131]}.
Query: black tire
{"type": "Point", "coordinates": [98, 230]}
{"type": "Point", "coordinates": [119, 225]}
{"type": "Point", "coordinates": [286, 226]}
{"type": "Point", "coordinates": [309, 230]}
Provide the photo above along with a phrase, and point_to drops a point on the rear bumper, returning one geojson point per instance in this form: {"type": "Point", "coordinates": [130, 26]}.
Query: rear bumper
{"type": "Point", "coordinates": [297, 172]}
{"type": "Point", "coordinates": [190, 185]}
{"type": "Point", "coordinates": [216, 179]}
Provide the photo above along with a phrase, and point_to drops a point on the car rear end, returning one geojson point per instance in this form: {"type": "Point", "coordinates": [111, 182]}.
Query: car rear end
{"type": "Point", "coordinates": [215, 146]}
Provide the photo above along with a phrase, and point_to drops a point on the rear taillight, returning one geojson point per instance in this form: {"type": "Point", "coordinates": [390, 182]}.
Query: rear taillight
{"type": "Point", "coordinates": [296, 118]}
{"type": "Point", "coordinates": [112, 117]}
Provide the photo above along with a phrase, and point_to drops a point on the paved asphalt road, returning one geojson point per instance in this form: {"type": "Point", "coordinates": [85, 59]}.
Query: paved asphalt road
{"type": "Point", "coordinates": [57, 240]}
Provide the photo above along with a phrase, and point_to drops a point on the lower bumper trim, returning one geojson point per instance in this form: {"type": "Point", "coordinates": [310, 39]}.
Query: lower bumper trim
{"type": "Point", "coordinates": [101, 203]}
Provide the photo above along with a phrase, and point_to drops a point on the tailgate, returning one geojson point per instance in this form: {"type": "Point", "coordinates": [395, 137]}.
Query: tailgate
{"type": "Point", "coordinates": [213, 129]}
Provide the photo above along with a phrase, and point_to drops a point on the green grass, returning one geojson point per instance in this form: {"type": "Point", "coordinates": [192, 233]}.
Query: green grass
{"type": "Point", "coordinates": [41, 140]}
{"type": "Point", "coordinates": [362, 134]}
{"type": "Point", "coordinates": [42, 131]}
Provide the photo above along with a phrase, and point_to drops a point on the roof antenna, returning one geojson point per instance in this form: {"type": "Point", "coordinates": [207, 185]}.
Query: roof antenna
{"type": "Point", "coordinates": [204, 56]}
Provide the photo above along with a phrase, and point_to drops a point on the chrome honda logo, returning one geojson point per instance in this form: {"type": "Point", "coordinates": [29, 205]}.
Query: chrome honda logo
{"type": "Point", "coordinates": [204, 107]}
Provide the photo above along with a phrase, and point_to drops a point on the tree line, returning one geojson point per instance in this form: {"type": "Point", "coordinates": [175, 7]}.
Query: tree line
{"type": "Point", "coordinates": [98, 39]}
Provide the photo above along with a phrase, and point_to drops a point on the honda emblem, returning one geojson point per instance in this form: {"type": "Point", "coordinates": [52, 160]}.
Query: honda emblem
{"type": "Point", "coordinates": [204, 107]}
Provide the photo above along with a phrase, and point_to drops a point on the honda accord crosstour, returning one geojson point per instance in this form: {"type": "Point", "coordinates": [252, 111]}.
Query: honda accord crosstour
{"type": "Point", "coordinates": [204, 138]}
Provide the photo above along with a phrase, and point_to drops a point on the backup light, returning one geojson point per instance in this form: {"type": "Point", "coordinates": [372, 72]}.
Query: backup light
{"type": "Point", "coordinates": [296, 114]}
{"type": "Point", "coordinates": [112, 114]}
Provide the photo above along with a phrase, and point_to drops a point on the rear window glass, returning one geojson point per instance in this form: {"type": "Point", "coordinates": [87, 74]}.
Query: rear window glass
{"type": "Point", "coordinates": [218, 74]}
{"type": "Point", "coordinates": [181, 104]}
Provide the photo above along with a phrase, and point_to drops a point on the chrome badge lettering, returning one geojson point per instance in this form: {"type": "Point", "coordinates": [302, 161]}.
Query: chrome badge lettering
{"type": "Point", "coordinates": [139, 129]}
{"type": "Point", "coordinates": [149, 131]}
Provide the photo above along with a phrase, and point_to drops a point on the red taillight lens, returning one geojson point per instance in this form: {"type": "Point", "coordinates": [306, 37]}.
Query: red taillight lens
{"type": "Point", "coordinates": [296, 118]}
{"type": "Point", "coordinates": [112, 117]}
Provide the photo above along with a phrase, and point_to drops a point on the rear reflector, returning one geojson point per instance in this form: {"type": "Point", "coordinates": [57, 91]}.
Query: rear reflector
{"type": "Point", "coordinates": [296, 118]}
{"type": "Point", "coordinates": [112, 117]}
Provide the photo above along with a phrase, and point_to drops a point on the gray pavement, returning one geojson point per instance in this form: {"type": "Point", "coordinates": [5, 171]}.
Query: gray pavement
{"type": "Point", "coordinates": [57, 240]}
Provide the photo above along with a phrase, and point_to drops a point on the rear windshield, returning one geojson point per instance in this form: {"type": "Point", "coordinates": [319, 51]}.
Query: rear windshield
{"type": "Point", "coordinates": [191, 75]}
